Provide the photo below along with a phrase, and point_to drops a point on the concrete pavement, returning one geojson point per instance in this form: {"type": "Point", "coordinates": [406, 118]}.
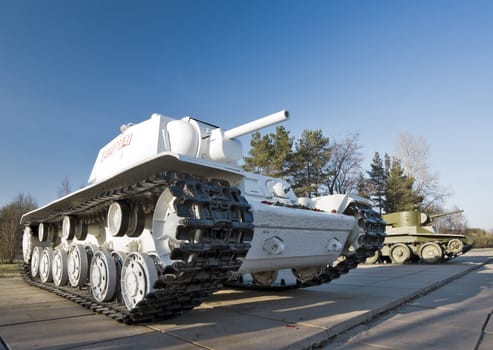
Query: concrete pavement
{"type": "Point", "coordinates": [455, 316]}
{"type": "Point", "coordinates": [296, 319]}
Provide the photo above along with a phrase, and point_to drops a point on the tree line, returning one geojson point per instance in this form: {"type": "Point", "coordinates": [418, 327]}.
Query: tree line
{"type": "Point", "coordinates": [314, 164]}
{"type": "Point", "coordinates": [10, 227]}
{"type": "Point", "coordinates": [308, 162]}
{"type": "Point", "coordinates": [11, 230]}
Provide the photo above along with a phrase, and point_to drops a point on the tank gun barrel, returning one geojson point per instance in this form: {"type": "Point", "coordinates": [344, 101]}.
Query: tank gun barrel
{"type": "Point", "coordinates": [435, 216]}
{"type": "Point", "coordinates": [256, 125]}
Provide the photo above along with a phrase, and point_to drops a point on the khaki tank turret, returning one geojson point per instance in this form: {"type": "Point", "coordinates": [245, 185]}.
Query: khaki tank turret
{"type": "Point", "coordinates": [411, 236]}
{"type": "Point", "coordinates": [169, 217]}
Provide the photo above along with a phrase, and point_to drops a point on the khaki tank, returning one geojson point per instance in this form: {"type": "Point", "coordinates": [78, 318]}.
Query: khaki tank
{"type": "Point", "coordinates": [169, 217]}
{"type": "Point", "coordinates": [411, 236]}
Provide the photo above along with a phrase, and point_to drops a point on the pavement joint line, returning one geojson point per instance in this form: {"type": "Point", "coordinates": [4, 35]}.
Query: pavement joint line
{"type": "Point", "coordinates": [376, 313]}
{"type": "Point", "coordinates": [483, 331]}
{"type": "Point", "coordinates": [44, 320]}
{"type": "Point", "coordinates": [176, 336]}
{"type": "Point", "coordinates": [285, 322]}
{"type": "Point", "coordinates": [103, 341]}
{"type": "Point", "coordinates": [188, 341]}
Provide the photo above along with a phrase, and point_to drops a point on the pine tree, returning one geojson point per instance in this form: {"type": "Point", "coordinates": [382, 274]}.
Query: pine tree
{"type": "Point", "coordinates": [282, 151]}
{"type": "Point", "coordinates": [377, 179]}
{"type": "Point", "coordinates": [312, 153]}
{"type": "Point", "coordinates": [260, 154]}
{"type": "Point", "coordinates": [270, 154]}
{"type": "Point", "coordinates": [399, 193]}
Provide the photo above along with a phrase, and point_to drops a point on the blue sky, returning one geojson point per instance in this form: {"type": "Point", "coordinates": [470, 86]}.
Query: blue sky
{"type": "Point", "coordinates": [71, 72]}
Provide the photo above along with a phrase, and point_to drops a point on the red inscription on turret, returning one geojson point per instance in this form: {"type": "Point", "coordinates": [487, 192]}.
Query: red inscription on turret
{"type": "Point", "coordinates": [123, 141]}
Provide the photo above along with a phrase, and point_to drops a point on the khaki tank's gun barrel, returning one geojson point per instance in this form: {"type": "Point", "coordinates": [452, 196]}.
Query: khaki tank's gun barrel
{"type": "Point", "coordinates": [256, 125]}
{"type": "Point", "coordinates": [436, 216]}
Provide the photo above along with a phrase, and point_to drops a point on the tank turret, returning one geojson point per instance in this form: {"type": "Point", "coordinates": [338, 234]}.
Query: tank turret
{"type": "Point", "coordinates": [414, 220]}
{"type": "Point", "coordinates": [169, 217]}
{"type": "Point", "coordinates": [188, 137]}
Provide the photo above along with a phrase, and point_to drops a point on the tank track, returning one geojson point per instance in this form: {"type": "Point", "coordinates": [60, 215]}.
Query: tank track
{"type": "Point", "coordinates": [372, 241]}
{"type": "Point", "coordinates": [329, 274]}
{"type": "Point", "coordinates": [226, 227]}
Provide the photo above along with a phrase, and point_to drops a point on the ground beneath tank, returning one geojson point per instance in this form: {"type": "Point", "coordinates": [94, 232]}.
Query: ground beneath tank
{"type": "Point", "coordinates": [374, 306]}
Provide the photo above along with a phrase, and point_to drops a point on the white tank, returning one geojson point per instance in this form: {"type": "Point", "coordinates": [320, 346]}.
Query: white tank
{"type": "Point", "coordinates": [169, 217]}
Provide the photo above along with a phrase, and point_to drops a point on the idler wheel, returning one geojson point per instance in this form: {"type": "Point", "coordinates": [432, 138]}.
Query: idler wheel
{"type": "Point", "coordinates": [400, 253]}
{"type": "Point", "coordinates": [430, 253]}
{"type": "Point", "coordinates": [59, 267]}
{"type": "Point", "coordinates": [455, 246]}
{"type": "Point", "coordinates": [29, 240]}
{"type": "Point", "coordinates": [137, 278]}
{"type": "Point", "coordinates": [103, 276]}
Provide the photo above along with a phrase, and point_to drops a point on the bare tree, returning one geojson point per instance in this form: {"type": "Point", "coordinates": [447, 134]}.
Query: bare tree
{"type": "Point", "coordinates": [344, 166]}
{"type": "Point", "coordinates": [414, 152]}
{"type": "Point", "coordinates": [64, 188]}
{"type": "Point", "coordinates": [365, 188]}
{"type": "Point", "coordinates": [10, 228]}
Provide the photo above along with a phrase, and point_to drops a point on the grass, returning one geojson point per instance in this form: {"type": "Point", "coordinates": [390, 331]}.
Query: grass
{"type": "Point", "coordinates": [9, 270]}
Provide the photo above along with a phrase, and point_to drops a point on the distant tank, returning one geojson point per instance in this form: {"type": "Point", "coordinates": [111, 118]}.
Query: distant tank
{"type": "Point", "coordinates": [411, 236]}
{"type": "Point", "coordinates": [169, 217]}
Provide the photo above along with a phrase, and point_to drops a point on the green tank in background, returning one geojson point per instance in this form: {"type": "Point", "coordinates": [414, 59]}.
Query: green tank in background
{"type": "Point", "coordinates": [411, 237]}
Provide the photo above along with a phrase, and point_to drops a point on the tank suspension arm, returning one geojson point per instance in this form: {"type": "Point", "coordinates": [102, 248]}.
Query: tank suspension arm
{"type": "Point", "coordinates": [256, 125]}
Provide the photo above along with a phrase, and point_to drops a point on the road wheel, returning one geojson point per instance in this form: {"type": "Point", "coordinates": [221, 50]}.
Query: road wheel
{"type": "Point", "coordinates": [103, 276]}
{"type": "Point", "coordinates": [77, 265]}
{"type": "Point", "coordinates": [45, 265]}
{"type": "Point", "coordinates": [59, 267]}
{"type": "Point", "coordinates": [137, 278]}
{"type": "Point", "coordinates": [431, 253]}
{"type": "Point", "coordinates": [400, 253]}
{"type": "Point", "coordinates": [264, 278]}
{"type": "Point", "coordinates": [306, 274]}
